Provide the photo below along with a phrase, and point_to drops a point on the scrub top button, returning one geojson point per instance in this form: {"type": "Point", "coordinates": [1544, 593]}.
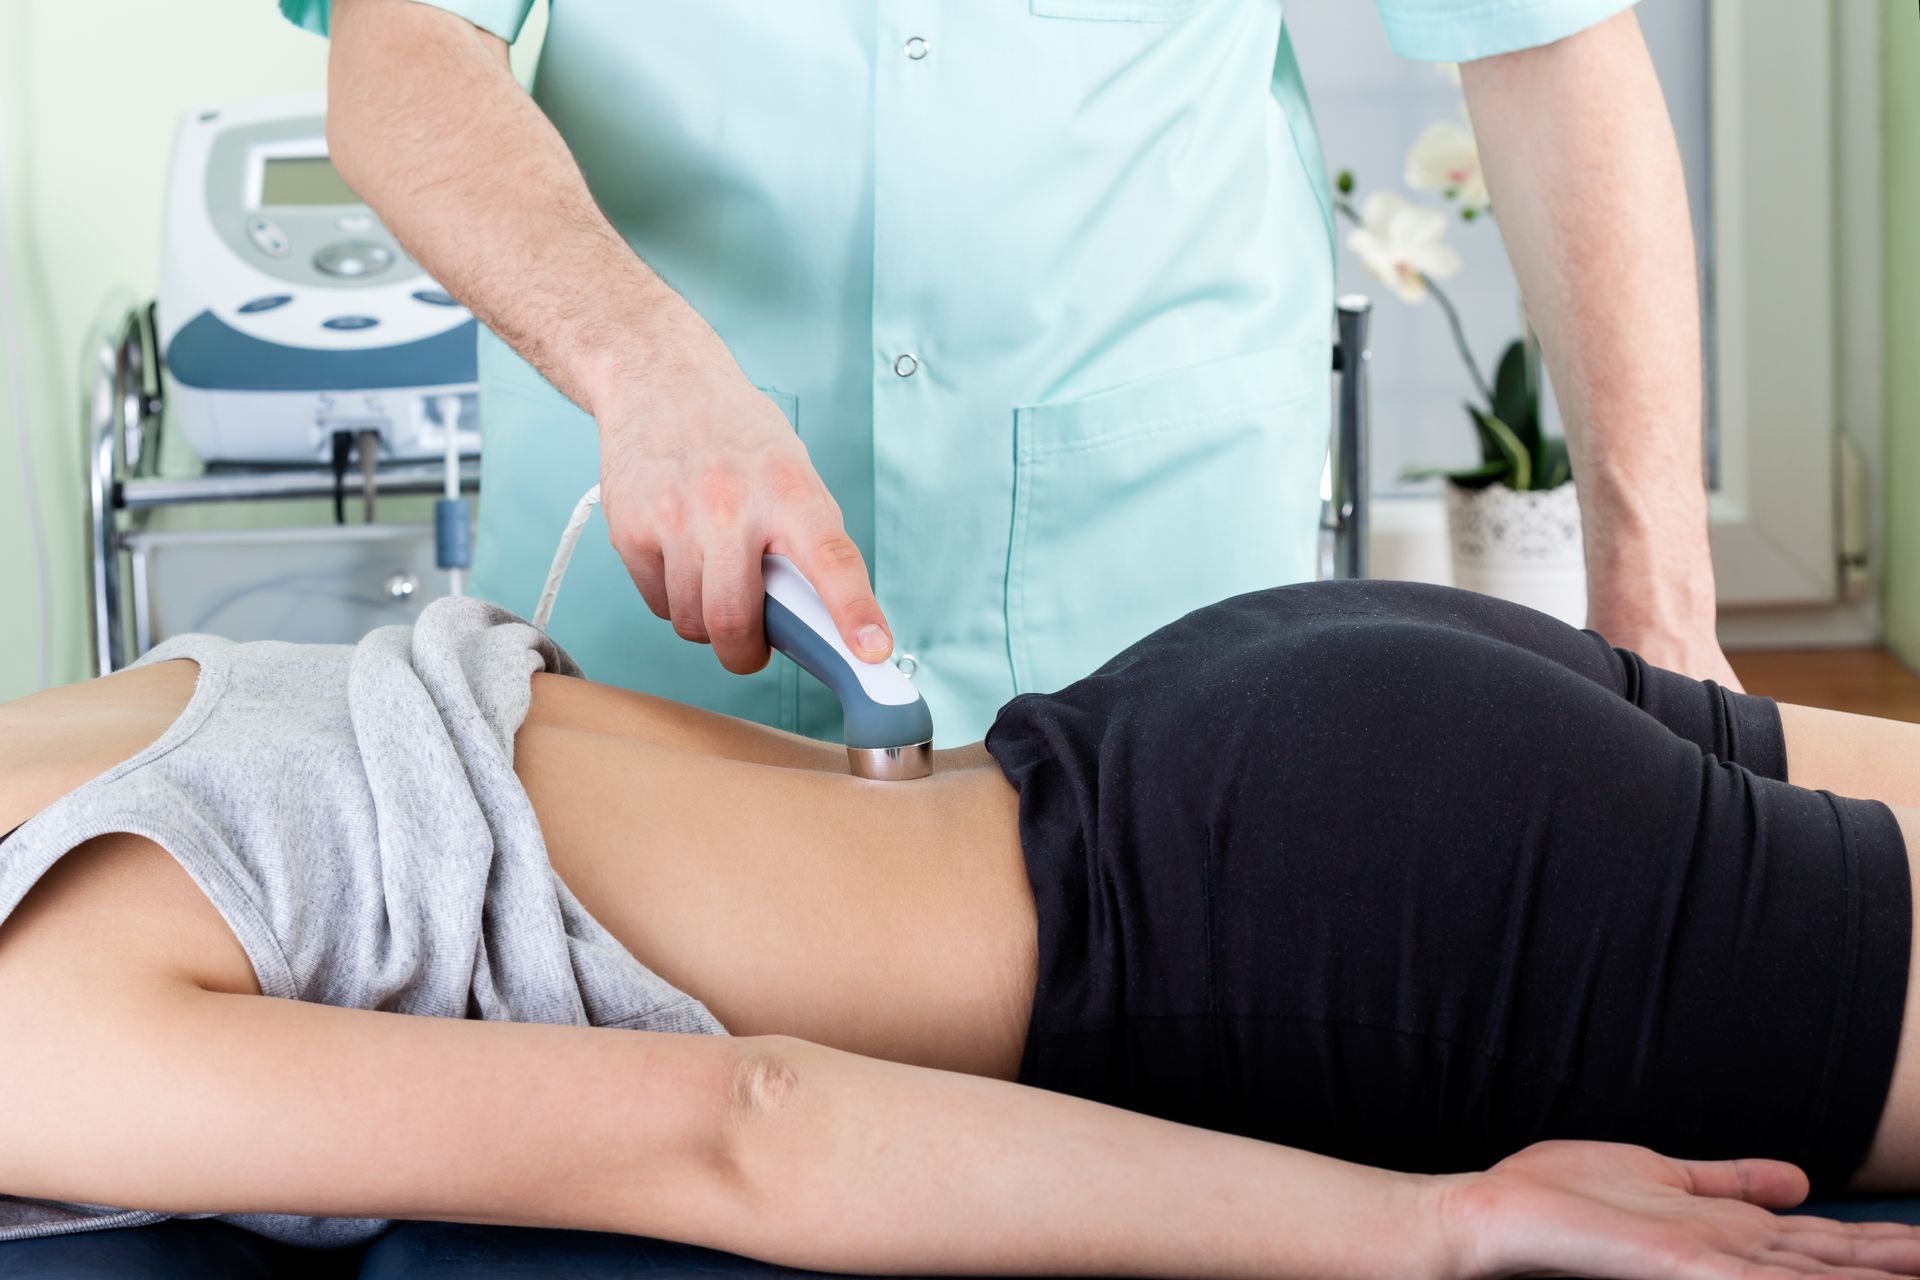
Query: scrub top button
{"type": "Point", "coordinates": [905, 364]}
{"type": "Point", "coordinates": [917, 48]}
{"type": "Point", "coordinates": [907, 665]}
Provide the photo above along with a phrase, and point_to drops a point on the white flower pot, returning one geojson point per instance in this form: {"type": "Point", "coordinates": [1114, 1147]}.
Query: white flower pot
{"type": "Point", "coordinates": [1523, 547]}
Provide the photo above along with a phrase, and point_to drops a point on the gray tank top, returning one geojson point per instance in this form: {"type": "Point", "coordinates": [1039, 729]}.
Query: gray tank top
{"type": "Point", "coordinates": [352, 812]}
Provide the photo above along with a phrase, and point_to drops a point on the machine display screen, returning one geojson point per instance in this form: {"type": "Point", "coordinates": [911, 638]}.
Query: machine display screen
{"type": "Point", "coordinates": [307, 180]}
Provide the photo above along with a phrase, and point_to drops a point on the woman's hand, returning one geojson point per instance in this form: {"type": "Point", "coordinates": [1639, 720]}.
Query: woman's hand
{"type": "Point", "coordinates": [1612, 1212]}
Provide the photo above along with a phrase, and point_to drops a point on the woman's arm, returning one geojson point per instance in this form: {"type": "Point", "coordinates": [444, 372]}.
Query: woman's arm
{"type": "Point", "coordinates": [165, 1096]}
{"type": "Point", "coordinates": [170, 1097]}
{"type": "Point", "coordinates": [138, 1070]}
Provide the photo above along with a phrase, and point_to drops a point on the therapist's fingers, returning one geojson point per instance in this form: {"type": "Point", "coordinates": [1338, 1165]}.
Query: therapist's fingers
{"type": "Point", "coordinates": [819, 545]}
{"type": "Point", "coordinates": [646, 565]}
{"type": "Point", "coordinates": [685, 571]}
{"type": "Point", "coordinates": [734, 602]}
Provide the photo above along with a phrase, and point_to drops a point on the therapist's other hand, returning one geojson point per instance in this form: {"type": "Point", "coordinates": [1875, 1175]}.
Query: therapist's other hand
{"type": "Point", "coordinates": [1691, 648]}
{"type": "Point", "coordinates": [702, 480]}
{"type": "Point", "coordinates": [1696, 655]}
{"type": "Point", "coordinates": [1616, 1212]}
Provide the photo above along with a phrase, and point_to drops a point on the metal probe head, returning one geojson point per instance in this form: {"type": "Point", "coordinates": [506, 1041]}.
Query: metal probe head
{"type": "Point", "coordinates": [891, 764]}
{"type": "Point", "coordinates": [889, 730]}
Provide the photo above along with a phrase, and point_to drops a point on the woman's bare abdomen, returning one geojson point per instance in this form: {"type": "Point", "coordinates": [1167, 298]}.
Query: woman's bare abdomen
{"type": "Point", "coordinates": [740, 863]}
{"type": "Point", "coordinates": [747, 868]}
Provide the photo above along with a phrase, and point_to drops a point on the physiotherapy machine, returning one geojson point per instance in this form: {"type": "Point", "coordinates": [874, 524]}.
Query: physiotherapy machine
{"type": "Point", "coordinates": [288, 316]}
{"type": "Point", "coordinates": [292, 343]}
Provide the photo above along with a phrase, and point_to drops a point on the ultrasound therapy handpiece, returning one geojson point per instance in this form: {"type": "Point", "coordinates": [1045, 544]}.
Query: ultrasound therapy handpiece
{"type": "Point", "coordinates": [888, 727]}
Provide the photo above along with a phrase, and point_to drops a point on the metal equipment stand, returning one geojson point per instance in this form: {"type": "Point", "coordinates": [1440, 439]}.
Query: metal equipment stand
{"type": "Point", "coordinates": [123, 402]}
{"type": "Point", "coordinates": [1344, 515]}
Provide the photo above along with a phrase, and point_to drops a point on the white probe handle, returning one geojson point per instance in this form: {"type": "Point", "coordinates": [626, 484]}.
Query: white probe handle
{"type": "Point", "coordinates": [880, 681]}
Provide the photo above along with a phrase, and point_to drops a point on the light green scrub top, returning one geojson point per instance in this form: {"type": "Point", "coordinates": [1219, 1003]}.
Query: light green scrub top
{"type": "Point", "coordinates": [1045, 286]}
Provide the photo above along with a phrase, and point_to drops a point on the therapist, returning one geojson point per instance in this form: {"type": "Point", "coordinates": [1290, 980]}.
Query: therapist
{"type": "Point", "coordinates": [1015, 312]}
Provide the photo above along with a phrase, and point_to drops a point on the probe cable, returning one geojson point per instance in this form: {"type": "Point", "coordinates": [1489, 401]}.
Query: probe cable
{"type": "Point", "coordinates": [569, 539]}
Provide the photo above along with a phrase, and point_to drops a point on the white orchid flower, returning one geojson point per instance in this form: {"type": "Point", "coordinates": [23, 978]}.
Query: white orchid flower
{"type": "Point", "coordinates": [1403, 244]}
{"type": "Point", "coordinates": [1446, 159]}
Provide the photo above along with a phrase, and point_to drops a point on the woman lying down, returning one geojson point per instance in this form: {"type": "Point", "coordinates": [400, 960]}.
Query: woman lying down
{"type": "Point", "coordinates": [1335, 930]}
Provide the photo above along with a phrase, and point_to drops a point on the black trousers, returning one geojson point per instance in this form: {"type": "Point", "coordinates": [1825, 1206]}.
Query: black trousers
{"type": "Point", "coordinates": [1415, 877]}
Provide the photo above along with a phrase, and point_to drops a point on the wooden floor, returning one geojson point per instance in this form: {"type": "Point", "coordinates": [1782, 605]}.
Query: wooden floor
{"type": "Point", "coordinates": [1867, 681]}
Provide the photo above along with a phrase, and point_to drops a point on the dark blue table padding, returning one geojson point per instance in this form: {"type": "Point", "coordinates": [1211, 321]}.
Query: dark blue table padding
{"type": "Point", "coordinates": [172, 1250]}
{"type": "Point", "coordinates": [1907, 1211]}
{"type": "Point", "coordinates": [437, 1251]}
{"type": "Point", "coordinates": [443, 1251]}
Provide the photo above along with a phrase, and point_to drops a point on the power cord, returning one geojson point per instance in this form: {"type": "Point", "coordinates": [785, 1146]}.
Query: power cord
{"type": "Point", "coordinates": [342, 453]}
{"type": "Point", "coordinates": [452, 518]}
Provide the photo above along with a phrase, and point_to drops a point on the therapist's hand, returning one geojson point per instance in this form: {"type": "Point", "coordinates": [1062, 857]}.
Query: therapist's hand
{"type": "Point", "coordinates": [1690, 647]}
{"type": "Point", "coordinates": [698, 479]}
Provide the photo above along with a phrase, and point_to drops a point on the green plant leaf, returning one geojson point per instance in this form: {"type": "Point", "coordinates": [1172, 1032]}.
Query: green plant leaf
{"type": "Point", "coordinates": [1516, 400]}
{"type": "Point", "coordinates": [1552, 464]}
{"type": "Point", "coordinates": [1498, 443]}
{"type": "Point", "coordinates": [1472, 478]}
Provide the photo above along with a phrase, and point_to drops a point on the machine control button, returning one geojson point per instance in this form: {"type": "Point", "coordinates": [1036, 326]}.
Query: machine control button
{"type": "Point", "coordinates": [435, 297]}
{"type": "Point", "coordinates": [918, 48]}
{"type": "Point", "coordinates": [355, 222]}
{"type": "Point", "coordinates": [267, 303]}
{"type": "Point", "coordinates": [267, 236]}
{"type": "Point", "coordinates": [351, 258]}
{"type": "Point", "coordinates": [350, 322]}
{"type": "Point", "coordinates": [401, 586]}
{"type": "Point", "coordinates": [906, 364]}
{"type": "Point", "coordinates": [907, 664]}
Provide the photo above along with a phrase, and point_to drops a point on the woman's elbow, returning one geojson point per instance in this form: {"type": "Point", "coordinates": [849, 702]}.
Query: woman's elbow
{"type": "Point", "coordinates": [720, 1141]}
{"type": "Point", "coordinates": [762, 1117]}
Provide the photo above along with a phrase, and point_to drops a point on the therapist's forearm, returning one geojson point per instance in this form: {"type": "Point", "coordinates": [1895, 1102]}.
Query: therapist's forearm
{"type": "Point", "coordinates": [700, 473]}
{"type": "Point", "coordinates": [1586, 180]}
{"type": "Point", "coordinates": [427, 123]}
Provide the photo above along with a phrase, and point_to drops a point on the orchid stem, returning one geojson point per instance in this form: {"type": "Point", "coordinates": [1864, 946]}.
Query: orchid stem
{"type": "Point", "coordinates": [1460, 339]}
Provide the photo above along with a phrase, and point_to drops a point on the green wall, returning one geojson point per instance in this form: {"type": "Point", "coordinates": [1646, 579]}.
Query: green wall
{"type": "Point", "coordinates": [89, 94]}
{"type": "Point", "coordinates": [1900, 78]}
{"type": "Point", "coordinates": [90, 91]}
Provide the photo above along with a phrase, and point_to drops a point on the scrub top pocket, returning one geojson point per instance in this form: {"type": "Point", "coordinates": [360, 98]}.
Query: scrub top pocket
{"type": "Point", "coordinates": [1137, 505]}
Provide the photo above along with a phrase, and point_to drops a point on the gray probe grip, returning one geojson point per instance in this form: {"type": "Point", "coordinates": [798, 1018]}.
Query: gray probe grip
{"type": "Point", "coordinates": [870, 724]}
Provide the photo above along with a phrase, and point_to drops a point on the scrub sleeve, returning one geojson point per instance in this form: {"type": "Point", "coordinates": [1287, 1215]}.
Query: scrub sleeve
{"type": "Point", "coordinates": [503, 18]}
{"type": "Point", "coordinates": [1463, 30]}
